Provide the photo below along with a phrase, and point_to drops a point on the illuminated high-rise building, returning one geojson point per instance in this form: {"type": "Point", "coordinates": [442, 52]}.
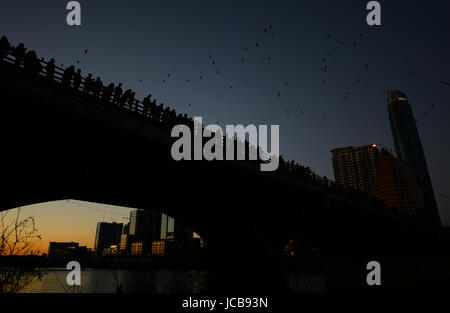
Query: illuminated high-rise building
{"type": "Point", "coordinates": [125, 239]}
{"type": "Point", "coordinates": [145, 226]}
{"type": "Point", "coordinates": [393, 184]}
{"type": "Point", "coordinates": [408, 148]}
{"type": "Point", "coordinates": [355, 167]}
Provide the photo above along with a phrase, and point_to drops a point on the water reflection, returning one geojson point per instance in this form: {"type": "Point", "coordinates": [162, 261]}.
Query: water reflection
{"type": "Point", "coordinates": [157, 281]}
{"type": "Point", "coordinates": [109, 281]}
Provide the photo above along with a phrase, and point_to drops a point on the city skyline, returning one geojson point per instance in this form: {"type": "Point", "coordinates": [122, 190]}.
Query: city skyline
{"type": "Point", "coordinates": [73, 221]}
{"type": "Point", "coordinates": [69, 221]}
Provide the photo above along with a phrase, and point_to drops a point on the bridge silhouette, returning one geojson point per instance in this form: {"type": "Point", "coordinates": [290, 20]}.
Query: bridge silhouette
{"type": "Point", "coordinates": [62, 140]}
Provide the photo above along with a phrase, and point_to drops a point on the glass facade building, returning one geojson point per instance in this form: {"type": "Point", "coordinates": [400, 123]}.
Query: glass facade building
{"type": "Point", "coordinates": [167, 227]}
{"type": "Point", "coordinates": [409, 150]}
{"type": "Point", "coordinates": [107, 234]}
{"type": "Point", "coordinates": [144, 226]}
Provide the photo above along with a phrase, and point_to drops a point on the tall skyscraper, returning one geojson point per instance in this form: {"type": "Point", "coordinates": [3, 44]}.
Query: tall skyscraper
{"type": "Point", "coordinates": [174, 230]}
{"type": "Point", "coordinates": [137, 237]}
{"type": "Point", "coordinates": [175, 237]}
{"type": "Point", "coordinates": [125, 239]}
{"type": "Point", "coordinates": [144, 225]}
{"type": "Point", "coordinates": [355, 167]}
{"type": "Point", "coordinates": [408, 148]}
{"type": "Point", "coordinates": [167, 227]}
{"type": "Point", "coordinates": [107, 234]}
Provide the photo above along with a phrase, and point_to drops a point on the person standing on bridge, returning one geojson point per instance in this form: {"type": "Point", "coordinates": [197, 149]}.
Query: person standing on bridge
{"type": "Point", "coordinates": [19, 54]}
{"type": "Point", "coordinates": [5, 48]}
{"type": "Point", "coordinates": [153, 109]}
{"type": "Point", "coordinates": [159, 111]}
{"type": "Point", "coordinates": [68, 75]}
{"type": "Point", "coordinates": [88, 82]}
{"type": "Point", "coordinates": [77, 80]}
{"type": "Point", "coordinates": [131, 101]}
{"type": "Point", "coordinates": [117, 93]}
{"type": "Point", "coordinates": [173, 117]}
{"type": "Point", "coordinates": [126, 95]}
{"type": "Point", "coordinates": [50, 69]}
{"type": "Point", "coordinates": [146, 102]}
{"type": "Point", "coordinates": [31, 63]}
{"type": "Point", "coordinates": [107, 94]}
{"type": "Point", "coordinates": [98, 87]}
{"type": "Point", "coordinates": [165, 115]}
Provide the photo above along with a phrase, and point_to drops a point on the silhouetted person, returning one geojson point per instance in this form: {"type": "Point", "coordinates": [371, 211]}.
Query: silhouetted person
{"type": "Point", "coordinates": [31, 63]}
{"type": "Point", "coordinates": [153, 109]}
{"type": "Point", "coordinates": [50, 69]}
{"type": "Point", "coordinates": [77, 79]}
{"type": "Point", "coordinates": [126, 95]}
{"type": "Point", "coordinates": [179, 119]}
{"type": "Point", "coordinates": [117, 93]}
{"type": "Point", "coordinates": [19, 53]}
{"type": "Point", "coordinates": [159, 110]}
{"type": "Point", "coordinates": [88, 84]}
{"type": "Point", "coordinates": [107, 93]}
{"type": "Point", "coordinates": [5, 47]}
{"type": "Point", "coordinates": [98, 87]}
{"type": "Point", "coordinates": [131, 101]}
{"type": "Point", "coordinates": [68, 75]}
{"type": "Point", "coordinates": [173, 117]}
{"type": "Point", "coordinates": [166, 115]}
{"type": "Point", "coordinates": [146, 103]}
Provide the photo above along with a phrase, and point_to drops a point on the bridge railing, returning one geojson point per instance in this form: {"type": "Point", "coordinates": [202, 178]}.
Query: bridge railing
{"type": "Point", "coordinates": [41, 70]}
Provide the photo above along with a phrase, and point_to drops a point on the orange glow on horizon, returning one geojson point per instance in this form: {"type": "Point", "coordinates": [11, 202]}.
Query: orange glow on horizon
{"type": "Point", "coordinates": [68, 221]}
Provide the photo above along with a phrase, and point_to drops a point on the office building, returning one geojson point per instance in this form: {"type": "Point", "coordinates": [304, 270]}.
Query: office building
{"type": "Point", "coordinates": [173, 230]}
{"type": "Point", "coordinates": [392, 184]}
{"type": "Point", "coordinates": [125, 239]}
{"type": "Point", "coordinates": [67, 249]}
{"type": "Point", "coordinates": [355, 167]}
{"type": "Point", "coordinates": [113, 250]}
{"type": "Point", "coordinates": [144, 226]}
{"type": "Point", "coordinates": [158, 247]}
{"type": "Point", "coordinates": [409, 150]}
{"type": "Point", "coordinates": [138, 249]}
{"type": "Point", "coordinates": [108, 234]}
{"type": "Point", "coordinates": [167, 227]}
{"type": "Point", "coordinates": [378, 174]}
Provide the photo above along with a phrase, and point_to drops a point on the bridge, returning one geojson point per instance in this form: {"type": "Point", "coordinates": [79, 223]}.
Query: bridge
{"type": "Point", "coordinates": [61, 141]}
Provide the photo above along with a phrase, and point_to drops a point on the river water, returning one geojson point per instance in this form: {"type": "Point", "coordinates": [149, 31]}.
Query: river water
{"type": "Point", "coordinates": [159, 281]}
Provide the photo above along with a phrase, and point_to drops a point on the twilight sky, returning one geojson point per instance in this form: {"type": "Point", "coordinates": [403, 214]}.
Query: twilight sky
{"type": "Point", "coordinates": [130, 41]}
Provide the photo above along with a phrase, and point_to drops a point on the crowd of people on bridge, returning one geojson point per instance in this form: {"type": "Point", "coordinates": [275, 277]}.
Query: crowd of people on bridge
{"type": "Point", "coordinates": [91, 87]}
{"type": "Point", "coordinates": [113, 95]}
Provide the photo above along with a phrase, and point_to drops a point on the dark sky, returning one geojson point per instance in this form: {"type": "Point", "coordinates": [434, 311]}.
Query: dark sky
{"type": "Point", "coordinates": [129, 41]}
